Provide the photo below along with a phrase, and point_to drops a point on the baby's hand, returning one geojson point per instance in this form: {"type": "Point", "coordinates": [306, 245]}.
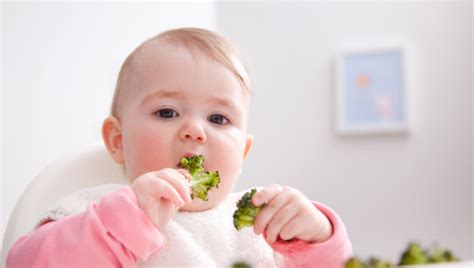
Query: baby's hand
{"type": "Point", "coordinates": [161, 193]}
{"type": "Point", "coordinates": [289, 214]}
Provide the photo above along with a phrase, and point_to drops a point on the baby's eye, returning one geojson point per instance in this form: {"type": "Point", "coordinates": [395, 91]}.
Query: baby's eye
{"type": "Point", "coordinates": [218, 119]}
{"type": "Point", "coordinates": [167, 113]}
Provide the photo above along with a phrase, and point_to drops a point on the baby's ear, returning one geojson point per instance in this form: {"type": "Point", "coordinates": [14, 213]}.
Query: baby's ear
{"type": "Point", "coordinates": [113, 138]}
{"type": "Point", "coordinates": [248, 144]}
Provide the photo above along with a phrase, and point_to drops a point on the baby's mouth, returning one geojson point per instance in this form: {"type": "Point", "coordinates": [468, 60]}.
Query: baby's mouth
{"type": "Point", "coordinates": [185, 155]}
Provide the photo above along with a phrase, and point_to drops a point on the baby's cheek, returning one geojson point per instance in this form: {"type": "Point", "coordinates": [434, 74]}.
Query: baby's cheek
{"type": "Point", "coordinates": [230, 161]}
{"type": "Point", "coordinates": [148, 154]}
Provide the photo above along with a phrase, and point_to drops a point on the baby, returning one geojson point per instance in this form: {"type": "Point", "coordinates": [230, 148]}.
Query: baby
{"type": "Point", "coordinates": [182, 93]}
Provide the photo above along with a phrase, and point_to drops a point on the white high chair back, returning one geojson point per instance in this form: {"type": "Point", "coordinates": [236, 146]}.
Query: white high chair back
{"type": "Point", "coordinates": [85, 168]}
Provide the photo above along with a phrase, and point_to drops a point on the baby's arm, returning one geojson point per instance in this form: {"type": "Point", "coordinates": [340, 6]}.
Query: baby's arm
{"type": "Point", "coordinates": [99, 237]}
{"type": "Point", "coordinates": [306, 233]}
{"type": "Point", "coordinates": [119, 231]}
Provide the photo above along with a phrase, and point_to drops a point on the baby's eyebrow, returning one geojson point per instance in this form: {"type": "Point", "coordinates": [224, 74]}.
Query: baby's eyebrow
{"type": "Point", "coordinates": [162, 94]}
{"type": "Point", "coordinates": [225, 102]}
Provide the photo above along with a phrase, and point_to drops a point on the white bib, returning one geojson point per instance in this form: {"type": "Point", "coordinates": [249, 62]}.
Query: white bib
{"type": "Point", "coordinates": [193, 239]}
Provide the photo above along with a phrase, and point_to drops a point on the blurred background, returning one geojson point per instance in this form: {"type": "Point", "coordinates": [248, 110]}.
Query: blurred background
{"type": "Point", "coordinates": [59, 63]}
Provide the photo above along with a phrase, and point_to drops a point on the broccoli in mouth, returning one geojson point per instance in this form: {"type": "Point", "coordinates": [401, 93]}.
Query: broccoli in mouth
{"type": "Point", "coordinates": [246, 211]}
{"type": "Point", "coordinates": [203, 181]}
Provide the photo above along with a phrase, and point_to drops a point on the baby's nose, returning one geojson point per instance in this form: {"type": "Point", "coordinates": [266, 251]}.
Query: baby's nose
{"type": "Point", "coordinates": [193, 132]}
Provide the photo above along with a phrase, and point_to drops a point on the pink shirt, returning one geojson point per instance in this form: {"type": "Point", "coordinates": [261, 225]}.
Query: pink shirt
{"type": "Point", "coordinates": [102, 237]}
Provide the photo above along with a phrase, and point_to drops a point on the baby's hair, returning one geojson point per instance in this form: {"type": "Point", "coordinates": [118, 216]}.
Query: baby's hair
{"type": "Point", "coordinates": [196, 40]}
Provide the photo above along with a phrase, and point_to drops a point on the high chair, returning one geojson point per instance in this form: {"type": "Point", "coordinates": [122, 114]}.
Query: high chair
{"type": "Point", "coordinates": [85, 168]}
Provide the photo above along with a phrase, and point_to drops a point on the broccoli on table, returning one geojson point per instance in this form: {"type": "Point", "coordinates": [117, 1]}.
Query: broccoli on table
{"type": "Point", "coordinates": [377, 263]}
{"type": "Point", "coordinates": [202, 180]}
{"type": "Point", "coordinates": [414, 254]}
{"type": "Point", "coordinates": [448, 255]}
{"type": "Point", "coordinates": [439, 255]}
{"type": "Point", "coordinates": [241, 264]}
{"type": "Point", "coordinates": [246, 211]}
{"type": "Point", "coordinates": [354, 262]}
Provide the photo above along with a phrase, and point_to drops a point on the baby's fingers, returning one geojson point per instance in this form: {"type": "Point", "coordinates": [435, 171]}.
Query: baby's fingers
{"type": "Point", "coordinates": [266, 194]}
{"type": "Point", "coordinates": [186, 174]}
{"type": "Point", "coordinates": [178, 180]}
{"type": "Point", "coordinates": [162, 189]}
{"type": "Point", "coordinates": [292, 228]}
{"type": "Point", "coordinates": [279, 221]}
{"type": "Point", "coordinates": [268, 212]}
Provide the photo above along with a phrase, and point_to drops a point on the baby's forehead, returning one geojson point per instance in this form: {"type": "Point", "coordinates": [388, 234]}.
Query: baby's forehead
{"type": "Point", "coordinates": [157, 53]}
{"type": "Point", "coordinates": [156, 58]}
{"type": "Point", "coordinates": [153, 64]}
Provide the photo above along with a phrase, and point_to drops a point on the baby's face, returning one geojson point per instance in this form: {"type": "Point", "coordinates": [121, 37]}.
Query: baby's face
{"type": "Point", "coordinates": [182, 106]}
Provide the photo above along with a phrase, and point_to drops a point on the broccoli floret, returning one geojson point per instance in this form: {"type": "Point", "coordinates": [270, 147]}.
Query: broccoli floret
{"type": "Point", "coordinates": [241, 264]}
{"type": "Point", "coordinates": [414, 254]}
{"type": "Point", "coordinates": [354, 262]}
{"type": "Point", "coordinates": [202, 180]}
{"type": "Point", "coordinates": [377, 263]}
{"type": "Point", "coordinates": [448, 255]}
{"type": "Point", "coordinates": [246, 211]}
{"type": "Point", "coordinates": [436, 255]}
{"type": "Point", "coordinates": [439, 255]}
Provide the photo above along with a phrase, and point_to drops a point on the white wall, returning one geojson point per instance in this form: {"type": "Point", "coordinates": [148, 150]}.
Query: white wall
{"type": "Point", "coordinates": [60, 62]}
{"type": "Point", "coordinates": [472, 135]}
{"type": "Point", "coordinates": [1, 131]}
{"type": "Point", "coordinates": [387, 189]}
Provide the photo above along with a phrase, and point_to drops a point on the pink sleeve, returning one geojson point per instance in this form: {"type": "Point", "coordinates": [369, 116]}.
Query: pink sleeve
{"type": "Point", "coordinates": [113, 233]}
{"type": "Point", "coordinates": [329, 254]}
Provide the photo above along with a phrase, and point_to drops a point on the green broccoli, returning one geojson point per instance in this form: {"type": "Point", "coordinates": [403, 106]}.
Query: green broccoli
{"type": "Point", "coordinates": [448, 255]}
{"type": "Point", "coordinates": [354, 262]}
{"type": "Point", "coordinates": [377, 263]}
{"type": "Point", "coordinates": [246, 211]}
{"type": "Point", "coordinates": [202, 180]}
{"type": "Point", "coordinates": [241, 264]}
{"type": "Point", "coordinates": [438, 255]}
{"type": "Point", "coordinates": [414, 254]}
